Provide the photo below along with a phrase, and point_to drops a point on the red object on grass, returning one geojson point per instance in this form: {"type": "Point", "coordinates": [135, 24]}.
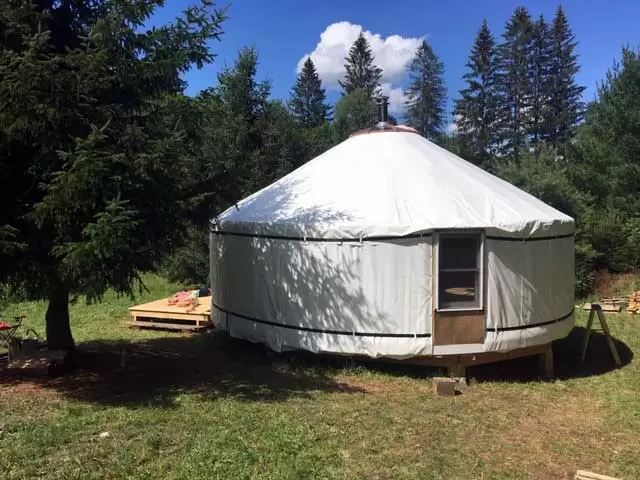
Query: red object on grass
{"type": "Point", "coordinates": [5, 325]}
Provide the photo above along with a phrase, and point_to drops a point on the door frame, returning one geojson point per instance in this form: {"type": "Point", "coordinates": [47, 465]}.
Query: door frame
{"type": "Point", "coordinates": [436, 312]}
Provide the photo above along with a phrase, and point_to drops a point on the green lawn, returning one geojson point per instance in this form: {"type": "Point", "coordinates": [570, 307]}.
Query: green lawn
{"type": "Point", "coordinates": [204, 406]}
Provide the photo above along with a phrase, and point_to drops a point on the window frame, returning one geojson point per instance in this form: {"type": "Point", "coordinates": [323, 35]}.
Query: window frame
{"type": "Point", "coordinates": [480, 236]}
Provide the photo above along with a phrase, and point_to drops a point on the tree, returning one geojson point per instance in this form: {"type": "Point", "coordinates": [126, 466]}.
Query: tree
{"type": "Point", "coordinates": [245, 142]}
{"type": "Point", "coordinates": [238, 134]}
{"type": "Point", "coordinates": [565, 95]}
{"type": "Point", "coordinates": [475, 111]}
{"type": "Point", "coordinates": [602, 164]}
{"type": "Point", "coordinates": [284, 145]}
{"type": "Point", "coordinates": [307, 102]}
{"type": "Point", "coordinates": [95, 180]}
{"type": "Point", "coordinates": [513, 86]}
{"type": "Point", "coordinates": [427, 93]}
{"type": "Point", "coordinates": [607, 147]}
{"type": "Point", "coordinates": [361, 72]}
{"type": "Point", "coordinates": [354, 111]}
{"type": "Point", "coordinates": [539, 69]}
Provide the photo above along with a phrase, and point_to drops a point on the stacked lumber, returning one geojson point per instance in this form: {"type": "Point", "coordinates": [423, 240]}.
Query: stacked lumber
{"type": "Point", "coordinates": [634, 303]}
{"type": "Point", "coordinates": [608, 304]}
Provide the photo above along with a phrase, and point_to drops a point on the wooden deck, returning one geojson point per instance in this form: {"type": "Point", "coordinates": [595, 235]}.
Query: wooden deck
{"type": "Point", "coordinates": [159, 314]}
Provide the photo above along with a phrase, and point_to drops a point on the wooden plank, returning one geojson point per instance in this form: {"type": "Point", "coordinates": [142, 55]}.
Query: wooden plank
{"type": "Point", "coordinates": [160, 315]}
{"type": "Point", "coordinates": [470, 359]}
{"type": "Point", "coordinates": [458, 328]}
{"type": "Point", "coordinates": [491, 357]}
{"type": "Point", "coordinates": [610, 308]}
{"type": "Point", "coordinates": [587, 335]}
{"type": "Point", "coordinates": [546, 362]}
{"type": "Point", "coordinates": [29, 366]}
{"type": "Point", "coordinates": [585, 475]}
{"type": "Point", "coordinates": [162, 307]}
{"type": "Point", "coordinates": [612, 345]}
{"type": "Point", "coordinates": [605, 307]}
{"type": "Point", "coordinates": [171, 315]}
{"type": "Point", "coordinates": [166, 325]}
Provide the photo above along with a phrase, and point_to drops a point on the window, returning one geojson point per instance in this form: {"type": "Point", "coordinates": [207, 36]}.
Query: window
{"type": "Point", "coordinates": [459, 271]}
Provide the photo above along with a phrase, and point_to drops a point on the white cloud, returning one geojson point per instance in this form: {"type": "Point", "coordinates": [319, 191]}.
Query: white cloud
{"type": "Point", "coordinates": [453, 126]}
{"type": "Point", "coordinates": [392, 53]}
{"type": "Point", "coordinates": [397, 98]}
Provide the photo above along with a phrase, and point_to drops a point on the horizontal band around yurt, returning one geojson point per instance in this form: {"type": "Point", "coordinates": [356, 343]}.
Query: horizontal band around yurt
{"type": "Point", "coordinates": [320, 239]}
{"type": "Point", "coordinates": [378, 334]}
{"type": "Point", "coordinates": [529, 239]}
{"type": "Point", "coordinates": [532, 325]}
{"type": "Point", "coordinates": [319, 330]}
{"type": "Point", "coordinates": [378, 238]}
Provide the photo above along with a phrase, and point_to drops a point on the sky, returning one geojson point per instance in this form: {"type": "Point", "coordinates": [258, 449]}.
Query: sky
{"type": "Point", "coordinates": [285, 32]}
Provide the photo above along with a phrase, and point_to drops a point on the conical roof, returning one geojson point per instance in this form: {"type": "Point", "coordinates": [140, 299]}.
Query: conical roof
{"type": "Point", "coordinates": [387, 184]}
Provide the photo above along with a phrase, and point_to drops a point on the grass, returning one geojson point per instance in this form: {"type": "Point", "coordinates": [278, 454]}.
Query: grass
{"type": "Point", "coordinates": [205, 406]}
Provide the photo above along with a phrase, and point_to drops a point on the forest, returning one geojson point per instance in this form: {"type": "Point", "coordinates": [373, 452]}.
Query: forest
{"type": "Point", "coordinates": [108, 169]}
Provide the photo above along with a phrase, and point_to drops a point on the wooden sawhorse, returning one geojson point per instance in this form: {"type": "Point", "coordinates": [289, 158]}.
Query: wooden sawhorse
{"type": "Point", "coordinates": [596, 309]}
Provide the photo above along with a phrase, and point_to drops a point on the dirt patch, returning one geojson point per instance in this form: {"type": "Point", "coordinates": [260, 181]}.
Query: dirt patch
{"type": "Point", "coordinates": [19, 389]}
{"type": "Point", "coordinates": [385, 386]}
{"type": "Point", "coordinates": [551, 438]}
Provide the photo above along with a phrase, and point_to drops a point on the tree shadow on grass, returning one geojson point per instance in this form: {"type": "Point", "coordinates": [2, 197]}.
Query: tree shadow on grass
{"type": "Point", "coordinates": [212, 365]}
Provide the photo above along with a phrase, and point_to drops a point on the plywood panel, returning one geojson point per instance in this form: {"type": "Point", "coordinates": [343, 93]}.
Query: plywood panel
{"type": "Point", "coordinates": [165, 310]}
{"type": "Point", "coordinates": [159, 314]}
{"type": "Point", "coordinates": [458, 328]}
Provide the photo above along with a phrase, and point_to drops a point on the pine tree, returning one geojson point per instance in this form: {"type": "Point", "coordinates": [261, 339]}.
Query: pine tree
{"type": "Point", "coordinates": [475, 111]}
{"type": "Point", "coordinates": [96, 180]}
{"type": "Point", "coordinates": [539, 68]}
{"type": "Point", "coordinates": [244, 100]}
{"type": "Point", "coordinates": [427, 93]}
{"type": "Point", "coordinates": [565, 105]}
{"type": "Point", "coordinates": [361, 73]}
{"type": "Point", "coordinates": [513, 86]}
{"type": "Point", "coordinates": [307, 102]}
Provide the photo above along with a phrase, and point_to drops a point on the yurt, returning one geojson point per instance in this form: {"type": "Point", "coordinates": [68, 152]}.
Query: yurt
{"type": "Point", "coordinates": [388, 245]}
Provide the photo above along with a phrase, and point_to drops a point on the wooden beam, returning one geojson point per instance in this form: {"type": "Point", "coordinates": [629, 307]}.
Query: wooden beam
{"type": "Point", "coordinates": [166, 325]}
{"type": "Point", "coordinates": [585, 475]}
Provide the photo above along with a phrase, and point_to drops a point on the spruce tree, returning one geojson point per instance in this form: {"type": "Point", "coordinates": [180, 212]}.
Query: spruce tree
{"type": "Point", "coordinates": [427, 93]}
{"type": "Point", "coordinates": [513, 85]}
{"type": "Point", "coordinates": [307, 102]}
{"type": "Point", "coordinates": [96, 181]}
{"type": "Point", "coordinates": [475, 111]}
{"type": "Point", "coordinates": [565, 95]}
{"type": "Point", "coordinates": [361, 72]}
{"type": "Point", "coordinates": [539, 68]}
{"type": "Point", "coordinates": [245, 101]}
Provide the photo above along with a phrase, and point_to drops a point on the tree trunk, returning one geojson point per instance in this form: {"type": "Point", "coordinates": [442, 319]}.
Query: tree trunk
{"type": "Point", "coordinates": [57, 317]}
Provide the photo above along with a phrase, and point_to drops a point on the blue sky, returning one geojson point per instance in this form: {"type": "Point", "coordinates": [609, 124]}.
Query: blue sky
{"type": "Point", "coordinates": [284, 31]}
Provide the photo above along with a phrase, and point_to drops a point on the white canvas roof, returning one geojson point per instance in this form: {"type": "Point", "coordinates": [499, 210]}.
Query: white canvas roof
{"type": "Point", "coordinates": [391, 183]}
